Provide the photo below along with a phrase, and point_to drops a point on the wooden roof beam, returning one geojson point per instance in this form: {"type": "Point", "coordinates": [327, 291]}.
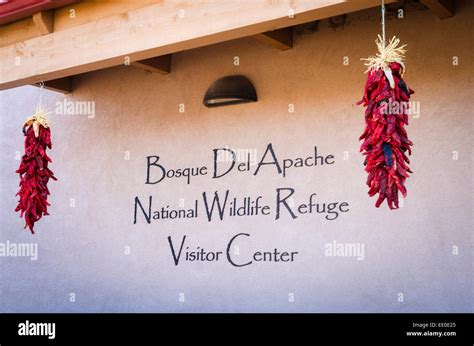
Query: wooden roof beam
{"type": "Point", "coordinates": [44, 22]}
{"type": "Point", "coordinates": [159, 64]}
{"type": "Point", "coordinates": [61, 85]}
{"type": "Point", "coordinates": [441, 8]}
{"type": "Point", "coordinates": [41, 23]}
{"type": "Point", "coordinates": [77, 13]}
{"type": "Point", "coordinates": [281, 38]}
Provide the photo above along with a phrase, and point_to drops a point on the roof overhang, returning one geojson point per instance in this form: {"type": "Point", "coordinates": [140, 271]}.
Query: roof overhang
{"type": "Point", "coordinates": [156, 29]}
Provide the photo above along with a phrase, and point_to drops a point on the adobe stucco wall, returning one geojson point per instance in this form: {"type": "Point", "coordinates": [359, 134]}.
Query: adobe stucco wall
{"type": "Point", "coordinates": [81, 249]}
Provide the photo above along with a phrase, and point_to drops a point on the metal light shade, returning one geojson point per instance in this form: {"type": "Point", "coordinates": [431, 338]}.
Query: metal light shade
{"type": "Point", "coordinates": [230, 90]}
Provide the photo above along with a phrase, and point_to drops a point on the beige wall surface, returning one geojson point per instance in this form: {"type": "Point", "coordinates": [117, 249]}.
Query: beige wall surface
{"type": "Point", "coordinates": [416, 259]}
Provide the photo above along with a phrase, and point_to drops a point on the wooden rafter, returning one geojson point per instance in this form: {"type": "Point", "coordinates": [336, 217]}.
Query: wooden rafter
{"type": "Point", "coordinates": [281, 38]}
{"type": "Point", "coordinates": [67, 17]}
{"type": "Point", "coordinates": [441, 8]}
{"type": "Point", "coordinates": [41, 23]}
{"type": "Point", "coordinates": [62, 85]}
{"type": "Point", "coordinates": [159, 64]}
{"type": "Point", "coordinates": [44, 22]}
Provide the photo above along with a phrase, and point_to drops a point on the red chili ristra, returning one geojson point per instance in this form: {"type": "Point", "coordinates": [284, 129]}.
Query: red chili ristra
{"type": "Point", "coordinates": [34, 176]}
{"type": "Point", "coordinates": [385, 141]}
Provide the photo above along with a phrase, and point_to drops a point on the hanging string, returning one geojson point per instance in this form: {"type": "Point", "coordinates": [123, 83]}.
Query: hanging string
{"type": "Point", "coordinates": [40, 115]}
{"type": "Point", "coordinates": [383, 24]}
{"type": "Point", "coordinates": [387, 53]}
{"type": "Point", "coordinates": [41, 85]}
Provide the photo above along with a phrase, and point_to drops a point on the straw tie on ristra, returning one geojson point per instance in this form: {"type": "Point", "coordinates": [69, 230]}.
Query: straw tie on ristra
{"type": "Point", "coordinates": [385, 141]}
{"type": "Point", "coordinates": [34, 172]}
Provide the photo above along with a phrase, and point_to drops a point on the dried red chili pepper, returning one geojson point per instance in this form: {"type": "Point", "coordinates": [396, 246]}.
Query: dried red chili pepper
{"type": "Point", "coordinates": [385, 138]}
{"type": "Point", "coordinates": [34, 172]}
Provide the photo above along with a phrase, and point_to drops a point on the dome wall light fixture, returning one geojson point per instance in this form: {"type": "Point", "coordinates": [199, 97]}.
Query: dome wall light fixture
{"type": "Point", "coordinates": [230, 90]}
